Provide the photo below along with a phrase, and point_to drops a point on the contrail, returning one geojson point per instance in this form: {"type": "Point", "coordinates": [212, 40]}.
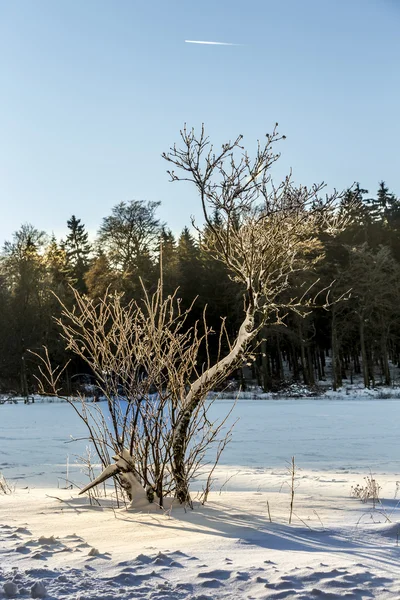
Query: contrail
{"type": "Point", "coordinates": [210, 43]}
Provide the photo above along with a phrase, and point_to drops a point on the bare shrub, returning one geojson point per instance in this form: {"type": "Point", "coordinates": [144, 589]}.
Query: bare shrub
{"type": "Point", "coordinates": [144, 356]}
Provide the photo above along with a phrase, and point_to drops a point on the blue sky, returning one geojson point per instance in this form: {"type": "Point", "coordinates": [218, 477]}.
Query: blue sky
{"type": "Point", "coordinates": [93, 91]}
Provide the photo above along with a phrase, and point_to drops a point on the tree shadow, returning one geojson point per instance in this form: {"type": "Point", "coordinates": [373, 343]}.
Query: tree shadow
{"type": "Point", "coordinates": [218, 519]}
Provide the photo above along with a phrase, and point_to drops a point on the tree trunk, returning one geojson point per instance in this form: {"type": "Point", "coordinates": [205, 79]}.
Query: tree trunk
{"type": "Point", "coordinates": [123, 469]}
{"type": "Point", "coordinates": [337, 381]}
{"type": "Point", "coordinates": [322, 363]}
{"type": "Point", "coordinates": [281, 374]}
{"type": "Point", "coordinates": [295, 364]}
{"type": "Point", "coordinates": [385, 360]}
{"type": "Point", "coordinates": [265, 368]}
{"type": "Point", "coordinates": [303, 356]}
{"type": "Point", "coordinates": [357, 368]}
{"type": "Point", "coordinates": [195, 395]}
{"type": "Point", "coordinates": [364, 357]}
{"type": "Point", "coordinates": [310, 367]}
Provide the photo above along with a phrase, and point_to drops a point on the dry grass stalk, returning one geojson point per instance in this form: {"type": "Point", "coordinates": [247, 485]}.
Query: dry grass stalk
{"type": "Point", "coordinates": [269, 512]}
{"type": "Point", "coordinates": [5, 487]}
{"type": "Point", "coordinates": [292, 485]}
{"type": "Point", "coordinates": [369, 491]}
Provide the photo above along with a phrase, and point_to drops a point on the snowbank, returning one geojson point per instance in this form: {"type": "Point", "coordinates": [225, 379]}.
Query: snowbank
{"type": "Point", "coordinates": [54, 543]}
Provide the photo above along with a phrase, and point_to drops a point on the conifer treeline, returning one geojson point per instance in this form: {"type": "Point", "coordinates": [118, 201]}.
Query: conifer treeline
{"type": "Point", "coordinates": [360, 334]}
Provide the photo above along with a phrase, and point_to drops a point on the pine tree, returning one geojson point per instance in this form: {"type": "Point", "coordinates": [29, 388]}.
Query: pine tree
{"type": "Point", "coordinates": [56, 288]}
{"type": "Point", "coordinates": [22, 266]}
{"type": "Point", "coordinates": [189, 268]}
{"type": "Point", "coordinates": [6, 335]}
{"type": "Point", "coordinates": [168, 261]}
{"type": "Point", "coordinates": [77, 248]}
{"type": "Point", "coordinates": [219, 292]}
{"type": "Point", "coordinates": [378, 206]}
{"type": "Point", "coordinates": [355, 209]}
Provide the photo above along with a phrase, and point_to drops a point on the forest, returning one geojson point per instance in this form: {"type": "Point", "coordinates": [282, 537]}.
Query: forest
{"type": "Point", "coordinates": [358, 328]}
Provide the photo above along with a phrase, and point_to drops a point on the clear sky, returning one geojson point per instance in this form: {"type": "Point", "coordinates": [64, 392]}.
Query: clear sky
{"type": "Point", "coordinates": [92, 91]}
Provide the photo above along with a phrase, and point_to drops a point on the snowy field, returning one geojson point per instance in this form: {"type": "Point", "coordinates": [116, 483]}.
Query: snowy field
{"type": "Point", "coordinates": [240, 544]}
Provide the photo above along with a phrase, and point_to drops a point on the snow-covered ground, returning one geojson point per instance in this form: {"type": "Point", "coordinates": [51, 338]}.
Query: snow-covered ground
{"type": "Point", "coordinates": [53, 542]}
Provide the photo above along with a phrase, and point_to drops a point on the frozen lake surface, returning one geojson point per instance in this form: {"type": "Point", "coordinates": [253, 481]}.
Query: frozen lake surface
{"type": "Point", "coordinates": [332, 435]}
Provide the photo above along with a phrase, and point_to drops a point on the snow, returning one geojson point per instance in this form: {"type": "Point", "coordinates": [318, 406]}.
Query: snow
{"type": "Point", "coordinates": [227, 549]}
{"type": "Point", "coordinates": [53, 544]}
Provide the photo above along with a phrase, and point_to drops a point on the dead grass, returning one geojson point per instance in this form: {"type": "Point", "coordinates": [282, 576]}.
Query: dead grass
{"type": "Point", "coordinates": [5, 487]}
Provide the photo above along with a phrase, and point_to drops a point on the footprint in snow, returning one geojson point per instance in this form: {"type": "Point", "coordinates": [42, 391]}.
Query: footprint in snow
{"type": "Point", "coordinates": [287, 594]}
{"type": "Point", "coordinates": [187, 587]}
{"type": "Point", "coordinates": [43, 573]}
{"type": "Point", "coordinates": [23, 530]}
{"type": "Point", "coordinates": [318, 575]}
{"type": "Point", "coordinates": [212, 583]}
{"type": "Point", "coordinates": [179, 553]}
{"type": "Point", "coordinates": [22, 549]}
{"type": "Point", "coordinates": [242, 576]}
{"type": "Point", "coordinates": [216, 574]}
{"type": "Point", "coordinates": [143, 558]}
{"type": "Point", "coordinates": [14, 536]}
{"type": "Point", "coordinates": [41, 555]}
{"type": "Point", "coordinates": [48, 541]}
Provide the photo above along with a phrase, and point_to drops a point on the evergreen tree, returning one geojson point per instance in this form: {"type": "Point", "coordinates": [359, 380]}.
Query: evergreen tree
{"type": "Point", "coordinates": [219, 292]}
{"type": "Point", "coordinates": [384, 198]}
{"type": "Point", "coordinates": [56, 289]}
{"type": "Point", "coordinates": [77, 248]}
{"type": "Point", "coordinates": [355, 208]}
{"type": "Point", "coordinates": [168, 261]}
{"type": "Point", "coordinates": [189, 268]}
{"type": "Point", "coordinates": [6, 336]}
{"type": "Point", "coordinates": [24, 270]}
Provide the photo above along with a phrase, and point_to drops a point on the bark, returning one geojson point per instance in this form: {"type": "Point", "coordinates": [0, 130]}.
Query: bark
{"type": "Point", "coordinates": [196, 395]}
{"type": "Point", "coordinates": [303, 356]}
{"type": "Point", "coordinates": [364, 353]}
{"type": "Point", "coordinates": [310, 367]}
{"type": "Point", "coordinates": [321, 364]}
{"type": "Point", "coordinates": [336, 367]}
{"type": "Point", "coordinates": [385, 360]}
{"type": "Point", "coordinates": [265, 368]}
{"type": "Point", "coordinates": [123, 468]}
{"type": "Point", "coordinates": [295, 364]}
{"type": "Point", "coordinates": [280, 360]}
{"type": "Point", "coordinates": [357, 367]}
